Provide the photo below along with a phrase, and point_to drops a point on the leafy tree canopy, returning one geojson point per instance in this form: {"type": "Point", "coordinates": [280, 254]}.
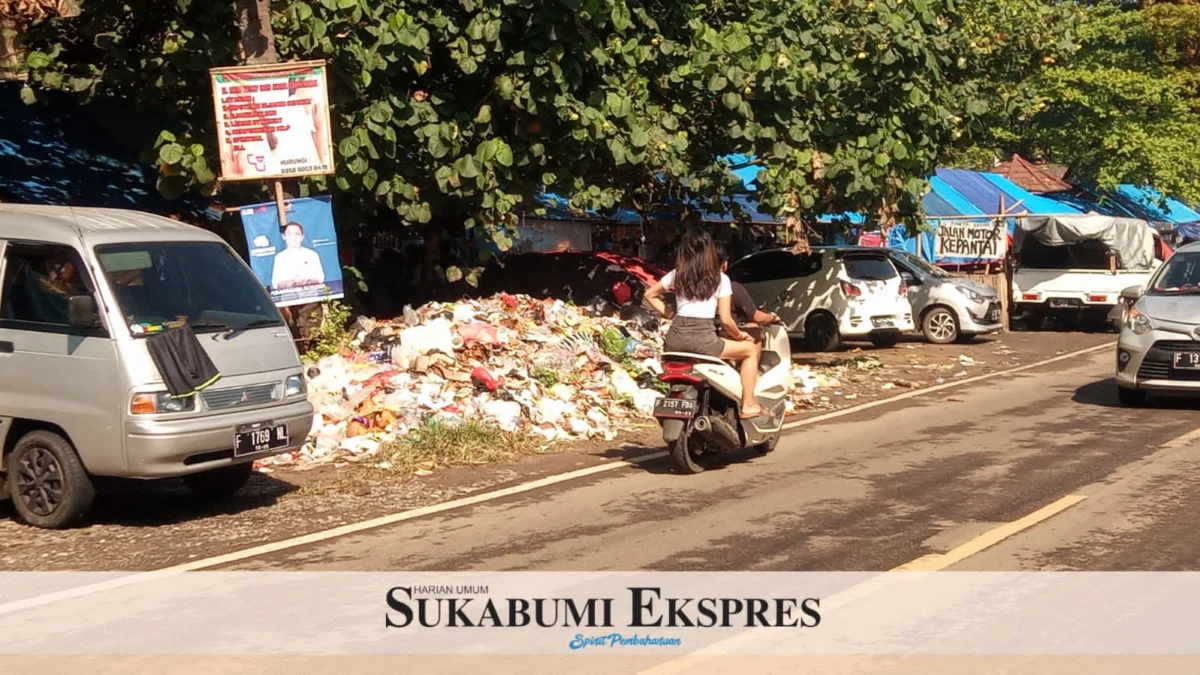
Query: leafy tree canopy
{"type": "Point", "coordinates": [462, 109]}
{"type": "Point", "coordinates": [1124, 106]}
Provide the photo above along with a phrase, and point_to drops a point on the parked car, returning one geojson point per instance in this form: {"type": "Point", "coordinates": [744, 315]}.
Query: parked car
{"type": "Point", "coordinates": [1159, 347]}
{"type": "Point", "coordinates": [946, 307]}
{"type": "Point", "coordinates": [570, 276]}
{"type": "Point", "coordinates": [1075, 267]}
{"type": "Point", "coordinates": [80, 394]}
{"type": "Point", "coordinates": [829, 295]}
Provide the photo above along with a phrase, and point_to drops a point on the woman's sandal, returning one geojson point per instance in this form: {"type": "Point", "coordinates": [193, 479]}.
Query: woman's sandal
{"type": "Point", "coordinates": [762, 412]}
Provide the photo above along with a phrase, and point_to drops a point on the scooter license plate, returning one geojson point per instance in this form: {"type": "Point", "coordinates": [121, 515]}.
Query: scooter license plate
{"type": "Point", "coordinates": [675, 408]}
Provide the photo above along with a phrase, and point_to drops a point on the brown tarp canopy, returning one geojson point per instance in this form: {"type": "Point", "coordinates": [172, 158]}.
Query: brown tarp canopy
{"type": "Point", "coordinates": [1036, 179]}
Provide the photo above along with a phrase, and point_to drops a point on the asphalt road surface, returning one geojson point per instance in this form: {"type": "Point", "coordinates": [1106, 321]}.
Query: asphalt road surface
{"type": "Point", "coordinates": [869, 491]}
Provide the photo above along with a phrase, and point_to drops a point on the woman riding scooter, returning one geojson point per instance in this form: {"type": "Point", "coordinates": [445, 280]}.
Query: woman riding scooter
{"type": "Point", "coordinates": [702, 293]}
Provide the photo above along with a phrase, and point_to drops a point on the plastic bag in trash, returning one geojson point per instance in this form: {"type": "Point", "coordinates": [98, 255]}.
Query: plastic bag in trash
{"type": "Point", "coordinates": [433, 336]}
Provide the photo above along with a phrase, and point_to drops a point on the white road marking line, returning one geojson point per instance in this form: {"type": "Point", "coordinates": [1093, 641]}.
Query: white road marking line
{"type": "Point", "coordinates": [353, 528]}
{"type": "Point", "coordinates": [1183, 440]}
{"type": "Point", "coordinates": [927, 563]}
{"type": "Point", "coordinates": [941, 387]}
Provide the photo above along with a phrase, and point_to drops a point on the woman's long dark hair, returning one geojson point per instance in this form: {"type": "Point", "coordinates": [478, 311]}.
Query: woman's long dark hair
{"type": "Point", "coordinates": [697, 272]}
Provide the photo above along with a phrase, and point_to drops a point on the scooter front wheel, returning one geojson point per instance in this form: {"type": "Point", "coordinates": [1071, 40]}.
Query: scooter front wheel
{"type": "Point", "coordinates": [682, 457]}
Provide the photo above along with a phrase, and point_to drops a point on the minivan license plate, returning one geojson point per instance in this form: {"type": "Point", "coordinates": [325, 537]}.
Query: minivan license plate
{"type": "Point", "coordinates": [1187, 361]}
{"type": "Point", "coordinates": [260, 440]}
{"type": "Point", "coordinates": [675, 408]}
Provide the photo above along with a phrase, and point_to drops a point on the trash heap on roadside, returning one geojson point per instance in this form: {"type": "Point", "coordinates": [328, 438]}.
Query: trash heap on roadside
{"type": "Point", "coordinates": [558, 371]}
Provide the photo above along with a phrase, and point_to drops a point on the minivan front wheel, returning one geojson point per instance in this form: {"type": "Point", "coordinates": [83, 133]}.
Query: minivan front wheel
{"type": "Point", "coordinates": [217, 483]}
{"type": "Point", "coordinates": [47, 482]}
{"type": "Point", "coordinates": [940, 326]}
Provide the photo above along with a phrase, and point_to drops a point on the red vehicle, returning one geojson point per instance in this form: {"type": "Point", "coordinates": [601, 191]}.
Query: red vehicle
{"type": "Point", "coordinates": [571, 276]}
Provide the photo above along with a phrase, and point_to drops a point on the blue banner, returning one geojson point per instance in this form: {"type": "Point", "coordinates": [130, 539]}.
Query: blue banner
{"type": "Point", "coordinates": [299, 263]}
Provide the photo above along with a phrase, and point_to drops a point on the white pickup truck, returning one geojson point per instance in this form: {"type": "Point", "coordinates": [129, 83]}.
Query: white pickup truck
{"type": "Point", "coordinates": [1039, 294]}
{"type": "Point", "coordinates": [1075, 267]}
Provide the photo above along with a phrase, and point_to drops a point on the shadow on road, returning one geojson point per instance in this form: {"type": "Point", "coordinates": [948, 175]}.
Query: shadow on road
{"type": "Point", "coordinates": [162, 502]}
{"type": "Point", "coordinates": [663, 465]}
{"type": "Point", "coordinates": [1103, 394]}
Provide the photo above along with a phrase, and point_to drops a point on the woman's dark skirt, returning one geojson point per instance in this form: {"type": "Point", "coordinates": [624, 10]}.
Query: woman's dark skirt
{"type": "Point", "coordinates": [694, 336]}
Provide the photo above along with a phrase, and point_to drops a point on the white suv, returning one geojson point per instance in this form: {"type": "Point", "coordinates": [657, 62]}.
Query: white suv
{"type": "Point", "coordinates": [829, 295]}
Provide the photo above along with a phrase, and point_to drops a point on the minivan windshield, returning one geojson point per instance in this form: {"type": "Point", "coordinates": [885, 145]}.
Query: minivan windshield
{"type": "Point", "coordinates": [1179, 276]}
{"type": "Point", "coordinates": [870, 268]}
{"type": "Point", "coordinates": [202, 283]}
{"type": "Point", "coordinates": [923, 265]}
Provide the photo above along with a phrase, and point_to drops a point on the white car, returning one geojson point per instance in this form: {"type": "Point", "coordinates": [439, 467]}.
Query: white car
{"type": "Point", "coordinates": [1159, 347]}
{"type": "Point", "coordinates": [829, 295]}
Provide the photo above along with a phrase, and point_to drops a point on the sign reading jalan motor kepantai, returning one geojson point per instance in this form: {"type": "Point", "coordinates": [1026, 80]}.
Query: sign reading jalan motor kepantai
{"type": "Point", "coordinates": [273, 120]}
{"type": "Point", "coordinates": [978, 240]}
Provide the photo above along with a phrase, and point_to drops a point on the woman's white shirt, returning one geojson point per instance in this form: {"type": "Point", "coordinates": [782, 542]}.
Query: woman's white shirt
{"type": "Point", "coordinates": [698, 309]}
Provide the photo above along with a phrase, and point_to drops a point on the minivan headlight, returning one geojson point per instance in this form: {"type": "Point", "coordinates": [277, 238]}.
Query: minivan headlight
{"type": "Point", "coordinates": [294, 385]}
{"type": "Point", "coordinates": [975, 297]}
{"type": "Point", "coordinates": [1139, 323]}
{"type": "Point", "coordinates": [160, 402]}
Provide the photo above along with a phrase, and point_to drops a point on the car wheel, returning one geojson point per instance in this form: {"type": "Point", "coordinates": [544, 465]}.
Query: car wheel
{"type": "Point", "coordinates": [47, 482]}
{"type": "Point", "coordinates": [219, 483]}
{"type": "Point", "coordinates": [885, 340]}
{"type": "Point", "coordinates": [821, 332]}
{"type": "Point", "coordinates": [940, 326]}
{"type": "Point", "coordinates": [1131, 398]}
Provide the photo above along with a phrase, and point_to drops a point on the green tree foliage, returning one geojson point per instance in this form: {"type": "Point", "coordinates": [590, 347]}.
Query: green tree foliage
{"type": "Point", "coordinates": [1119, 105]}
{"type": "Point", "coordinates": [463, 109]}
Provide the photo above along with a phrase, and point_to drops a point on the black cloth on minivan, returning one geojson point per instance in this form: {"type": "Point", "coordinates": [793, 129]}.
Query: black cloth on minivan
{"type": "Point", "coordinates": [181, 360]}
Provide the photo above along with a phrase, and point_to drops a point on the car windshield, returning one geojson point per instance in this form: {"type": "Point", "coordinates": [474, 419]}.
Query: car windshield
{"type": "Point", "coordinates": [1180, 276]}
{"type": "Point", "coordinates": [870, 268]}
{"type": "Point", "coordinates": [202, 283]}
{"type": "Point", "coordinates": [923, 265]}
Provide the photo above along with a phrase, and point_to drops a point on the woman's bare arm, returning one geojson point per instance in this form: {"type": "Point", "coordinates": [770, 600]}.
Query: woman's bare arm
{"type": "Point", "coordinates": [654, 296]}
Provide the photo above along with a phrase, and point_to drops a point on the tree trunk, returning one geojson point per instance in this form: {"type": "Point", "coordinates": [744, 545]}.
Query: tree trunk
{"type": "Point", "coordinates": [257, 36]}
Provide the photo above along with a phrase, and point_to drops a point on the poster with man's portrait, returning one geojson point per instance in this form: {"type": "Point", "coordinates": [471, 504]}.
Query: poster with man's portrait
{"type": "Point", "coordinates": [298, 263]}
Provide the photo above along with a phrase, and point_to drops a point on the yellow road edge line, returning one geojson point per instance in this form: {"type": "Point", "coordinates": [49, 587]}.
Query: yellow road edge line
{"type": "Point", "coordinates": [937, 562]}
{"type": "Point", "coordinates": [933, 562]}
{"type": "Point", "coordinates": [941, 387]}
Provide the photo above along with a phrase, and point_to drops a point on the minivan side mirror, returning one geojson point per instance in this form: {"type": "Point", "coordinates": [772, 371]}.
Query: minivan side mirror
{"type": "Point", "coordinates": [82, 312]}
{"type": "Point", "coordinates": [1131, 293]}
{"type": "Point", "coordinates": [908, 277]}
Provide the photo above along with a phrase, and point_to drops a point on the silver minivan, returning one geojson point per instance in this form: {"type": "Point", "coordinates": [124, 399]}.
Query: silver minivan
{"type": "Point", "coordinates": [81, 396]}
{"type": "Point", "coordinates": [947, 307]}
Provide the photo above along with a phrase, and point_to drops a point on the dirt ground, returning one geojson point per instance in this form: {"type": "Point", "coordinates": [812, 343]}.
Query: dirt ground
{"type": "Point", "coordinates": [147, 525]}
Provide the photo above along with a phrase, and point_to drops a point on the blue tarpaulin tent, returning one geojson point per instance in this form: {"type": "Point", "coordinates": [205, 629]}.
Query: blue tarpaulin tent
{"type": "Point", "coordinates": [1148, 198]}
{"type": "Point", "coordinates": [987, 190]}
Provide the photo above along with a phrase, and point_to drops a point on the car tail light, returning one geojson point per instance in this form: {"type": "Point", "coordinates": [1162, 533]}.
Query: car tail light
{"type": "Point", "coordinates": [1097, 298]}
{"type": "Point", "coordinates": [678, 372]}
{"type": "Point", "coordinates": [1030, 296]}
{"type": "Point", "coordinates": [851, 290]}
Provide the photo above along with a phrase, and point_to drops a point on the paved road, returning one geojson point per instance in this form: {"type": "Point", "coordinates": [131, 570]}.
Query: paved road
{"type": "Point", "coordinates": [869, 491]}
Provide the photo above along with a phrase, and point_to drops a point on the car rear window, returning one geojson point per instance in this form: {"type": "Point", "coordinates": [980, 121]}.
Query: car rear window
{"type": "Point", "coordinates": [870, 269]}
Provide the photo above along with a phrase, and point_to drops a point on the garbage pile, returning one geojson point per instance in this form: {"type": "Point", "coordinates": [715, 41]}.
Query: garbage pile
{"type": "Point", "coordinates": [539, 366]}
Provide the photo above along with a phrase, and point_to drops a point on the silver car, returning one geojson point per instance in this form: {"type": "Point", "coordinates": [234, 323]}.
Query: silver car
{"type": "Point", "coordinates": [80, 394]}
{"type": "Point", "coordinates": [1159, 347]}
{"type": "Point", "coordinates": [946, 307]}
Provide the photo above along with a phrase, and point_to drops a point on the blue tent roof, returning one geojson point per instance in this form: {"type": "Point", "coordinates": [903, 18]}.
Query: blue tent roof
{"type": "Point", "coordinates": [559, 208]}
{"type": "Point", "coordinates": [1147, 198]}
{"type": "Point", "coordinates": [55, 152]}
{"type": "Point", "coordinates": [985, 191]}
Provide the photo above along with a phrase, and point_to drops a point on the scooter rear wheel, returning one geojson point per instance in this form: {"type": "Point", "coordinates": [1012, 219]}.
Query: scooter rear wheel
{"type": "Point", "coordinates": [682, 457]}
